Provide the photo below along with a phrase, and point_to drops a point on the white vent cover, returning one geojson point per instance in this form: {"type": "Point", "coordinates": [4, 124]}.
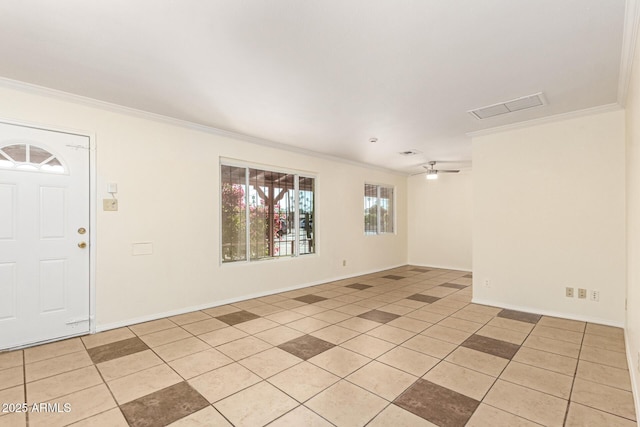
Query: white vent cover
{"type": "Point", "coordinates": [523, 103]}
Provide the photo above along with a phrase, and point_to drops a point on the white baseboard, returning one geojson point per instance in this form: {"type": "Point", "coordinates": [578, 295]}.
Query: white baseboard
{"type": "Point", "coordinates": [633, 371]}
{"type": "Point", "coordinates": [536, 310]}
{"type": "Point", "coordinates": [443, 267]}
{"type": "Point", "coordinates": [156, 316]}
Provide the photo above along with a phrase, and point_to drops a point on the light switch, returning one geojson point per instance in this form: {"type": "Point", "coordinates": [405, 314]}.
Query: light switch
{"type": "Point", "coordinates": [109, 204]}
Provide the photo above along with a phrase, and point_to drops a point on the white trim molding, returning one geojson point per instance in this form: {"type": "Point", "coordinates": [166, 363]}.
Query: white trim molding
{"type": "Point", "coordinates": [549, 119]}
{"type": "Point", "coordinates": [629, 37]}
{"type": "Point", "coordinates": [568, 316]}
{"type": "Point", "coordinates": [108, 106]}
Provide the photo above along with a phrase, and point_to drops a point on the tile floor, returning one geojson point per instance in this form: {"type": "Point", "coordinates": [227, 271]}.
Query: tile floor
{"type": "Point", "coordinates": [403, 347]}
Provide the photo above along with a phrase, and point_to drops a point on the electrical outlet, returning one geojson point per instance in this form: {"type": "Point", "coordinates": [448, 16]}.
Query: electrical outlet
{"type": "Point", "coordinates": [594, 295]}
{"type": "Point", "coordinates": [582, 293]}
{"type": "Point", "coordinates": [568, 292]}
{"type": "Point", "coordinates": [487, 284]}
{"type": "Point", "coordinates": [344, 262]}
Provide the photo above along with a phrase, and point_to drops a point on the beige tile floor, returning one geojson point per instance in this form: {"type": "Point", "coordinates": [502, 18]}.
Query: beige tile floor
{"type": "Point", "coordinates": [403, 347]}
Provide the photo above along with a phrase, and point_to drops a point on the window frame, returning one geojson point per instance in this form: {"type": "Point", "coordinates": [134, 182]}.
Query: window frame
{"type": "Point", "coordinates": [27, 165]}
{"type": "Point", "coordinates": [378, 205]}
{"type": "Point", "coordinates": [272, 169]}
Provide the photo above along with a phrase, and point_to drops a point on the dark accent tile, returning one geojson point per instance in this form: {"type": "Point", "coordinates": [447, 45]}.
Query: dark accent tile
{"type": "Point", "coordinates": [423, 298]}
{"type": "Point", "coordinates": [306, 346]}
{"type": "Point", "coordinates": [359, 286]}
{"type": "Point", "coordinates": [468, 276]}
{"type": "Point", "coordinates": [114, 350]}
{"type": "Point", "coordinates": [492, 346]}
{"type": "Point", "coordinates": [393, 277]}
{"type": "Point", "coordinates": [164, 406]}
{"type": "Point", "coordinates": [437, 404]}
{"type": "Point", "coordinates": [520, 315]}
{"type": "Point", "coordinates": [454, 285]}
{"type": "Point", "coordinates": [379, 316]}
{"type": "Point", "coordinates": [310, 299]}
{"type": "Point", "coordinates": [420, 270]}
{"type": "Point", "coordinates": [237, 317]}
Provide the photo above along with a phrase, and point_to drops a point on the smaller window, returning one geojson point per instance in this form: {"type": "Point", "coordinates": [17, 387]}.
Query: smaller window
{"type": "Point", "coordinates": [29, 157]}
{"type": "Point", "coordinates": [379, 212]}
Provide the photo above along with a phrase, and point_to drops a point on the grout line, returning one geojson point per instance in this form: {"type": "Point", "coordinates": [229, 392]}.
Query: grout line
{"type": "Point", "coordinates": [24, 383]}
{"type": "Point", "coordinates": [387, 292]}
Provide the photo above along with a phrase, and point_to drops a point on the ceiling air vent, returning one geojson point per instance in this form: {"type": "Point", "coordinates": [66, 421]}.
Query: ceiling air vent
{"type": "Point", "coordinates": [409, 152]}
{"type": "Point", "coordinates": [517, 104]}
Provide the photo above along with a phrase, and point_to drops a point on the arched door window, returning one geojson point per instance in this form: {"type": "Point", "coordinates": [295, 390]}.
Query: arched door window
{"type": "Point", "coordinates": [29, 157]}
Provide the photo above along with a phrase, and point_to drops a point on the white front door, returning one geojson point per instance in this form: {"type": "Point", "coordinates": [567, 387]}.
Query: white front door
{"type": "Point", "coordinates": [44, 235]}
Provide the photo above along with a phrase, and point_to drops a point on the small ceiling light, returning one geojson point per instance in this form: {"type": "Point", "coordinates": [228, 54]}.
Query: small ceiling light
{"type": "Point", "coordinates": [373, 140]}
{"type": "Point", "coordinates": [432, 174]}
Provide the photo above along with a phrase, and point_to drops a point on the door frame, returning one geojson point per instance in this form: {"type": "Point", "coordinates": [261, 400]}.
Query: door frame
{"type": "Point", "coordinates": [92, 207]}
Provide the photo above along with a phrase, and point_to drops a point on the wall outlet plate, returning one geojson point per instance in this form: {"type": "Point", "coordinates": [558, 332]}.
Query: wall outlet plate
{"type": "Point", "coordinates": [594, 295]}
{"type": "Point", "coordinates": [110, 204]}
{"type": "Point", "coordinates": [568, 292]}
{"type": "Point", "coordinates": [582, 293]}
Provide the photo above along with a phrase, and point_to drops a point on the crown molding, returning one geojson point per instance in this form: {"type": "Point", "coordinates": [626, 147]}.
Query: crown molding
{"type": "Point", "coordinates": [142, 114]}
{"type": "Point", "coordinates": [629, 38]}
{"type": "Point", "coordinates": [550, 119]}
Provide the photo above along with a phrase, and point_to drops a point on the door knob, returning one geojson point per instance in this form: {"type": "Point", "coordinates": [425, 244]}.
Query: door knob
{"type": "Point", "coordinates": [82, 245]}
{"type": "Point", "coordinates": [82, 230]}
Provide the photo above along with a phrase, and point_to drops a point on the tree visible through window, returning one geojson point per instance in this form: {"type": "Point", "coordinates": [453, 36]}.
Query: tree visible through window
{"type": "Point", "coordinates": [378, 209]}
{"type": "Point", "coordinates": [29, 157]}
{"type": "Point", "coordinates": [265, 214]}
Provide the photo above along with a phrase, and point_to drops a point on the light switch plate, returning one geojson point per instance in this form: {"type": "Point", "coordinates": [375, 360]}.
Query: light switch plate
{"type": "Point", "coordinates": [109, 204]}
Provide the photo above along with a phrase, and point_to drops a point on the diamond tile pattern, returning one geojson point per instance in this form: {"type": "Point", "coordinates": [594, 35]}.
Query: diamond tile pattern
{"type": "Point", "coordinates": [306, 346]}
{"type": "Point", "coordinates": [359, 286]}
{"type": "Point", "coordinates": [115, 350]}
{"type": "Point", "coordinates": [437, 404]}
{"type": "Point", "coordinates": [379, 316]}
{"type": "Point", "coordinates": [393, 277]}
{"type": "Point", "coordinates": [423, 298]}
{"type": "Point", "coordinates": [492, 346]}
{"type": "Point", "coordinates": [165, 406]}
{"type": "Point", "coordinates": [399, 347]}
{"type": "Point", "coordinates": [520, 315]}
{"type": "Point", "coordinates": [454, 285]}
{"type": "Point", "coordinates": [310, 299]}
{"type": "Point", "coordinates": [237, 317]}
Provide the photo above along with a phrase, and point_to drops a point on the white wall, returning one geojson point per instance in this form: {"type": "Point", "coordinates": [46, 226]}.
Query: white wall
{"type": "Point", "coordinates": [633, 225]}
{"type": "Point", "coordinates": [168, 191]}
{"type": "Point", "coordinates": [549, 212]}
{"type": "Point", "coordinates": [439, 221]}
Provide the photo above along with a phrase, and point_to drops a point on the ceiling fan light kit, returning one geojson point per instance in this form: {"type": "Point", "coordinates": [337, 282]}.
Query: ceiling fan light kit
{"type": "Point", "coordinates": [432, 172]}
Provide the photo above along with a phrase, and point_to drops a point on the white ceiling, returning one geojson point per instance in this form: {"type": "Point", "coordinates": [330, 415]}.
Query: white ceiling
{"type": "Point", "coordinates": [324, 75]}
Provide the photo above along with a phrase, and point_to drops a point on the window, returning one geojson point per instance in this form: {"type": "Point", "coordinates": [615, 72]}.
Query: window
{"type": "Point", "coordinates": [29, 157]}
{"type": "Point", "coordinates": [265, 214]}
{"type": "Point", "coordinates": [378, 209]}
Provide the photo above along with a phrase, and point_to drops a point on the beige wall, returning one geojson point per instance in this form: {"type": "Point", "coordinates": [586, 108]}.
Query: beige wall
{"type": "Point", "coordinates": [549, 212]}
{"type": "Point", "coordinates": [633, 226]}
{"type": "Point", "coordinates": [168, 191]}
{"type": "Point", "coordinates": [440, 217]}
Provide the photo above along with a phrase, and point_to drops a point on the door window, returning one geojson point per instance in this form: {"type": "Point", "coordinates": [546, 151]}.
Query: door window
{"type": "Point", "coordinates": [29, 157]}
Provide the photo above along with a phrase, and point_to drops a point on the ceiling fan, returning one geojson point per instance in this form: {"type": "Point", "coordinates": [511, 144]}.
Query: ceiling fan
{"type": "Point", "coordinates": [432, 171]}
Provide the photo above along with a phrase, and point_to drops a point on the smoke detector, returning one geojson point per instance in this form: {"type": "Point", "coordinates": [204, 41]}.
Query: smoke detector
{"type": "Point", "coordinates": [409, 152]}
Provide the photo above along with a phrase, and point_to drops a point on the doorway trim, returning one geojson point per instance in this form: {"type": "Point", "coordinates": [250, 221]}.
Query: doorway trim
{"type": "Point", "coordinates": [92, 207]}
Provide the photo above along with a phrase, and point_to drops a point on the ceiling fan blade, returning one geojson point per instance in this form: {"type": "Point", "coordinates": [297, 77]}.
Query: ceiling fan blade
{"type": "Point", "coordinates": [447, 171]}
